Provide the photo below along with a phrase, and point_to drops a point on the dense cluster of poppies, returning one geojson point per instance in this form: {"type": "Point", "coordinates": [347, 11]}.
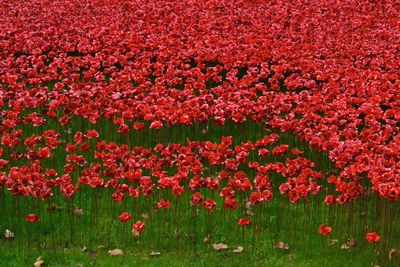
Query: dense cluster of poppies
{"type": "Point", "coordinates": [174, 166]}
{"type": "Point", "coordinates": [327, 71]}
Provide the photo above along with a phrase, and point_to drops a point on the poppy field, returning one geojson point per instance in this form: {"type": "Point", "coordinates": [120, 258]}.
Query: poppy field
{"type": "Point", "coordinates": [217, 129]}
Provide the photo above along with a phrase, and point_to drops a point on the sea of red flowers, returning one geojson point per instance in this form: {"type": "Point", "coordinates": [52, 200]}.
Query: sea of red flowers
{"type": "Point", "coordinates": [327, 71]}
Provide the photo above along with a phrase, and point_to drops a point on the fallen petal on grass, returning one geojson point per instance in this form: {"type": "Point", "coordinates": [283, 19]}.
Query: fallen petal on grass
{"type": "Point", "coordinates": [281, 245]}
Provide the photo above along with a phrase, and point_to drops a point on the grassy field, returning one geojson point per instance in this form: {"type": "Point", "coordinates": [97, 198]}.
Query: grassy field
{"type": "Point", "coordinates": [317, 256]}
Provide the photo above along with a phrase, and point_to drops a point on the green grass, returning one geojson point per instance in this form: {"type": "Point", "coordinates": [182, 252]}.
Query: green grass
{"type": "Point", "coordinates": [316, 256]}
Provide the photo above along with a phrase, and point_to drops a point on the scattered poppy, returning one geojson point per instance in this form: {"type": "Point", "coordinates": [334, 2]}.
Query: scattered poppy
{"type": "Point", "coordinates": [138, 227]}
{"type": "Point", "coordinates": [33, 218]}
{"type": "Point", "coordinates": [324, 229]}
{"type": "Point", "coordinates": [124, 217]}
{"type": "Point", "coordinates": [372, 237]}
{"type": "Point", "coordinates": [244, 222]}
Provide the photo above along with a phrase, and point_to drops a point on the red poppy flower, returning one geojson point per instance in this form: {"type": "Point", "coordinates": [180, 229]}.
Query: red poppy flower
{"type": "Point", "coordinates": [33, 218]}
{"type": "Point", "coordinates": [138, 126]}
{"type": "Point", "coordinates": [91, 134]}
{"type": "Point", "coordinates": [267, 195]}
{"type": "Point", "coordinates": [244, 222]}
{"type": "Point", "coordinates": [372, 237]}
{"type": "Point", "coordinates": [123, 129]}
{"type": "Point", "coordinates": [231, 203]}
{"type": "Point", "coordinates": [44, 153]}
{"type": "Point", "coordinates": [96, 181]}
{"type": "Point", "coordinates": [196, 199]}
{"type": "Point", "coordinates": [263, 152]}
{"type": "Point", "coordinates": [163, 204]}
{"type": "Point", "coordinates": [124, 217]}
{"type": "Point", "coordinates": [118, 196]}
{"type": "Point", "coordinates": [209, 204]}
{"type": "Point", "coordinates": [324, 229]}
{"type": "Point", "coordinates": [68, 190]}
{"type": "Point", "coordinates": [156, 125]}
{"type": "Point", "coordinates": [330, 200]}
{"type": "Point", "coordinates": [138, 227]}
{"type": "Point", "coordinates": [178, 190]}
{"type": "Point", "coordinates": [256, 197]}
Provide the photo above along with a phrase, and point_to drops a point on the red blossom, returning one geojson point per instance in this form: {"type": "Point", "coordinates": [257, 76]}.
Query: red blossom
{"type": "Point", "coordinates": [196, 198]}
{"type": "Point", "coordinates": [138, 227]}
{"type": "Point", "coordinates": [372, 237]}
{"type": "Point", "coordinates": [44, 153]}
{"type": "Point", "coordinates": [209, 204]}
{"type": "Point", "coordinates": [244, 222]}
{"type": "Point", "coordinates": [124, 217]}
{"type": "Point", "coordinates": [324, 229]}
{"type": "Point", "coordinates": [32, 218]}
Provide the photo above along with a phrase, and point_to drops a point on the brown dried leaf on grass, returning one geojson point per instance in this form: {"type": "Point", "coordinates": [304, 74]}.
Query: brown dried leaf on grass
{"type": "Point", "coordinates": [249, 209]}
{"type": "Point", "coordinates": [351, 243]}
{"type": "Point", "coordinates": [115, 252]}
{"type": "Point", "coordinates": [154, 254]}
{"type": "Point", "coordinates": [392, 253]}
{"type": "Point", "coordinates": [220, 246]}
{"type": "Point", "coordinates": [77, 212]}
{"type": "Point", "coordinates": [333, 242]}
{"type": "Point", "coordinates": [176, 233]}
{"type": "Point", "coordinates": [39, 262]}
{"type": "Point", "coordinates": [238, 250]}
{"type": "Point", "coordinates": [8, 234]}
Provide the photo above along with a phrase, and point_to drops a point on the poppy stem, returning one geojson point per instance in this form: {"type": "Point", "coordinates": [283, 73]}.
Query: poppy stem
{"type": "Point", "coordinates": [70, 212]}
{"type": "Point", "coordinates": [52, 226]}
{"type": "Point", "coordinates": [243, 236]}
{"type": "Point", "coordinates": [255, 227]}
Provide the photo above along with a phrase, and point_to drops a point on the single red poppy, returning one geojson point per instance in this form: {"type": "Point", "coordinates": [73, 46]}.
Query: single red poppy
{"type": "Point", "coordinates": [244, 222]}
{"type": "Point", "coordinates": [196, 199]}
{"type": "Point", "coordinates": [372, 237]}
{"type": "Point", "coordinates": [163, 204]}
{"type": "Point", "coordinates": [324, 229]}
{"type": "Point", "coordinates": [138, 227]}
{"type": "Point", "coordinates": [33, 218]}
{"type": "Point", "coordinates": [209, 204]}
{"type": "Point", "coordinates": [156, 125]}
{"type": "Point", "coordinates": [124, 217]}
{"type": "Point", "coordinates": [44, 152]}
